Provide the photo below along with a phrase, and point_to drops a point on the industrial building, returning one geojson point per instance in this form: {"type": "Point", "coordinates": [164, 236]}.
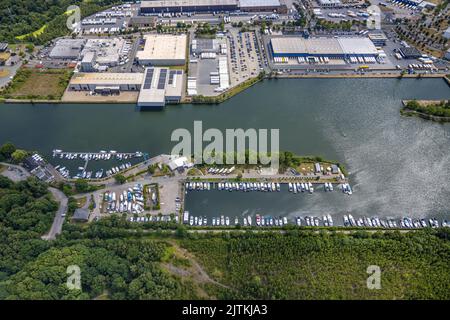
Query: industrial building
{"type": "Point", "coordinates": [142, 22]}
{"type": "Point", "coordinates": [171, 6]}
{"type": "Point", "coordinates": [160, 86]}
{"type": "Point", "coordinates": [198, 46]}
{"type": "Point", "coordinates": [67, 49]}
{"type": "Point", "coordinates": [410, 53]}
{"type": "Point", "coordinates": [108, 52]}
{"type": "Point", "coordinates": [262, 5]}
{"type": "Point", "coordinates": [106, 83]}
{"type": "Point", "coordinates": [163, 50]}
{"type": "Point", "coordinates": [333, 48]}
{"type": "Point", "coordinates": [378, 39]}
{"type": "Point", "coordinates": [88, 62]}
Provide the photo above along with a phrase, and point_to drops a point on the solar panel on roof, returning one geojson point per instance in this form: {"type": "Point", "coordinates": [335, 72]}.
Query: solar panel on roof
{"type": "Point", "coordinates": [148, 79]}
{"type": "Point", "coordinates": [162, 79]}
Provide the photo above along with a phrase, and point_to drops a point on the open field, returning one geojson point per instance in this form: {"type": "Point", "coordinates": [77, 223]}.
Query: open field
{"type": "Point", "coordinates": [38, 84]}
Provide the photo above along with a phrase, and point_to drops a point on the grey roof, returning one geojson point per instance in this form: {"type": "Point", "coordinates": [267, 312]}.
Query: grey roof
{"type": "Point", "coordinates": [259, 3]}
{"type": "Point", "coordinates": [81, 215]}
{"type": "Point", "coordinates": [322, 45]}
{"type": "Point", "coordinates": [67, 48]}
{"type": "Point", "coordinates": [186, 3]}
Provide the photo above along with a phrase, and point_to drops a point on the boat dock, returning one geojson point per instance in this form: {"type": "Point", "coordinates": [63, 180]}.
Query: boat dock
{"type": "Point", "coordinates": [96, 156]}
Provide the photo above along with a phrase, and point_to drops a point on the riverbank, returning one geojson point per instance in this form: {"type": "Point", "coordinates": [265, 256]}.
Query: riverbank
{"type": "Point", "coordinates": [71, 97]}
{"type": "Point", "coordinates": [362, 76]}
{"type": "Point", "coordinates": [434, 110]}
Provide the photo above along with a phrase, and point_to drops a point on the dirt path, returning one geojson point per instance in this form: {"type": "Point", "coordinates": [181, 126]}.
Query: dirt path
{"type": "Point", "coordinates": [195, 271]}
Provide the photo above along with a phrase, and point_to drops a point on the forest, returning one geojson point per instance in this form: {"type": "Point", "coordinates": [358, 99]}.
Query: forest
{"type": "Point", "coordinates": [118, 260]}
{"type": "Point", "coordinates": [23, 17]}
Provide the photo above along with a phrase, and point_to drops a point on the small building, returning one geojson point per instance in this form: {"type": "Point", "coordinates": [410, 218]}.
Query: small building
{"type": "Point", "coordinates": [81, 215]}
{"type": "Point", "coordinates": [3, 46]}
{"type": "Point", "coordinates": [36, 165]}
{"type": "Point", "coordinates": [88, 62]}
{"type": "Point", "coordinates": [317, 167]}
{"type": "Point", "coordinates": [163, 50]}
{"type": "Point", "coordinates": [335, 169]}
{"type": "Point", "coordinates": [446, 33]}
{"type": "Point", "coordinates": [378, 39]}
{"type": "Point", "coordinates": [177, 163]}
{"type": "Point", "coordinates": [142, 22]}
{"type": "Point", "coordinates": [67, 49]}
{"type": "Point", "coordinates": [447, 54]}
{"type": "Point", "coordinates": [410, 53]}
{"type": "Point", "coordinates": [330, 3]}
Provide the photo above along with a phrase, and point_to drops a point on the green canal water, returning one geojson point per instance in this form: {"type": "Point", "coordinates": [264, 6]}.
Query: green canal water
{"type": "Point", "coordinates": [398, 165]}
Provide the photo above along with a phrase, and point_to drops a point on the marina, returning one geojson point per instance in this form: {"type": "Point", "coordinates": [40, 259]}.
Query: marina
{"type": "Point", "coordinates": [313, 221]}
{"type": "Point", "coordinates": [123, 160]}
{"type": "Point", "coordinates": [396, 165]}
{"type": "Point", "coordinates": [293, 187]}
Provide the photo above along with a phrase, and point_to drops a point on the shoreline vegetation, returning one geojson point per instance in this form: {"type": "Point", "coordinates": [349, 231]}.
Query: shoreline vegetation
{"type": "Point", "coordinates": [227, 94]}
{"type": "Point", "coordinates": [433, 110]}
{"type": "Point", "coordinates": [12, 94]}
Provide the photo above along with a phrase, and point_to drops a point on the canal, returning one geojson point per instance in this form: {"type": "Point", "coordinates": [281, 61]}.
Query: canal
{"type": "Point", "coordinates": [398, 165]}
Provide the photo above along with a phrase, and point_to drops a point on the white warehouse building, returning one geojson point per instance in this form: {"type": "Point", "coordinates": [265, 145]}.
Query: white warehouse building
{"type": "Point", "coordinates": [163, 50]}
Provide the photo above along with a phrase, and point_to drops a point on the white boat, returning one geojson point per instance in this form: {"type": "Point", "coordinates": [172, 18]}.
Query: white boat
{"type": "Point", "coordinates": [227, 221]}
{"type": "Point", "coordinates": [249, 220]}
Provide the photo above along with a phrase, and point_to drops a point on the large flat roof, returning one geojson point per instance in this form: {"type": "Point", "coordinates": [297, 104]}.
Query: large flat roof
{"type": "Point", "coordinates": [153, 89]}
{"type": "Point", "coordinates": [107, 78]}
{"type": "Point", "coordinates": [160, 83]}
{"type": "Point", "coordinates": [296, 45]}
{"type": "Point", "coordinates": [259, 3]}
{"type": "Point", "coordinates": [185, 3]}
{"type": "Point", "coordinates": [163, 47]}
{"type": "Point", "coordinates": [357, 46]}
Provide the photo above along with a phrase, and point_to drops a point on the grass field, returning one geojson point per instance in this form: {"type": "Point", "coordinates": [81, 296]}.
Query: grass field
{"type": "Point", "coordinates": [38, 84]}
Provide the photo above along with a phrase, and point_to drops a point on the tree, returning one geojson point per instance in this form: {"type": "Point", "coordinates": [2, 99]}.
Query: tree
{"type": "Point", "coordinates": [81, 185]}
{"type": "Point", "coordinates": [7, 150]}
{"type": "Point", "coordinates": [120, 179]}
{"type": "Point", "coordinates": [19, 155]}
{"type": "Point", "coordinates": [30, 48]}
{"type": "Point", "coordinates": [181, 231]}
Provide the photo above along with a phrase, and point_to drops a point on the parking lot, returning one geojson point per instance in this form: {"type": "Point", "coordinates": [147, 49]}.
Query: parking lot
{"type": "Point", "coordinates": [244, 56]}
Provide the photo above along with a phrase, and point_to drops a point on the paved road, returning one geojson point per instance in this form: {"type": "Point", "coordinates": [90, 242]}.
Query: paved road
{"type": "Point", "coordinates": [59, 219]}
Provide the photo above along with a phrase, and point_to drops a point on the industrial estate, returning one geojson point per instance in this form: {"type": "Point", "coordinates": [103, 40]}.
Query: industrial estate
{"type": "Point", "coordinates": [90, 184]}
{"type": "Point", "coordinates": [155, 53]}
